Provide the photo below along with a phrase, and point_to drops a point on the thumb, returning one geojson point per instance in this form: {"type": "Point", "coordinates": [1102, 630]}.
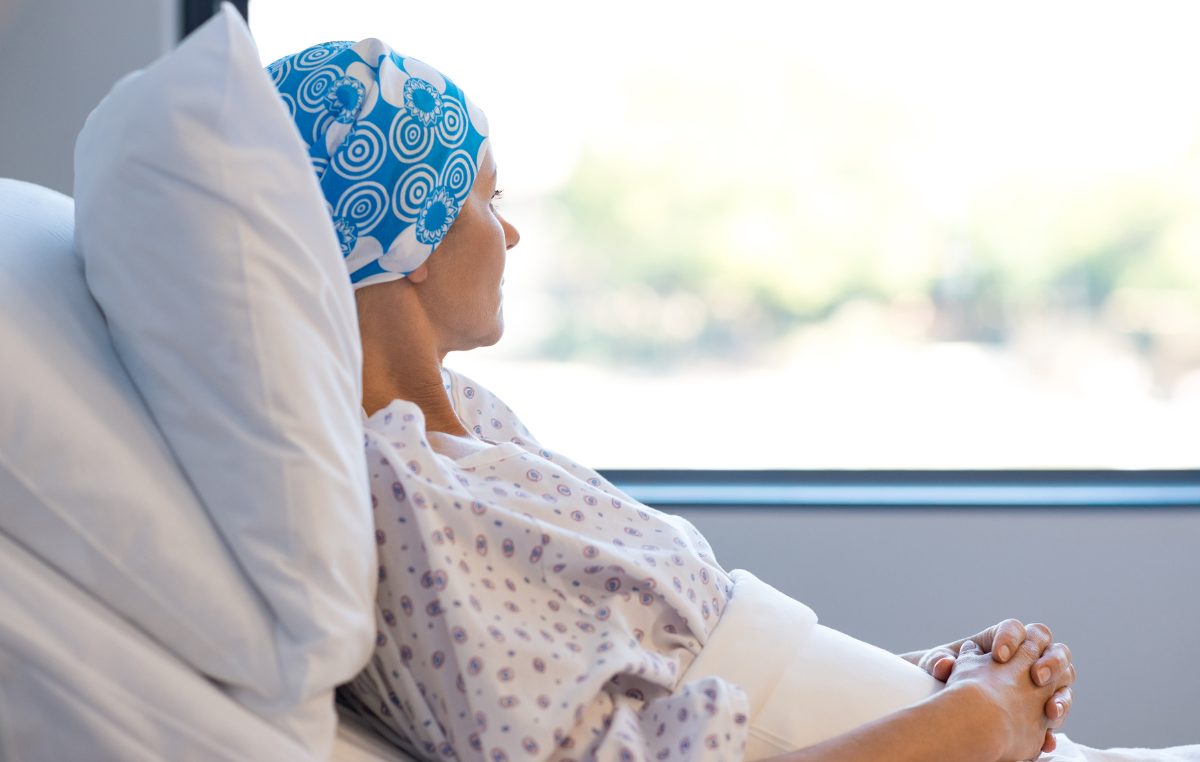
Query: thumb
{"type": "Point", "coordinates": [969, 648]}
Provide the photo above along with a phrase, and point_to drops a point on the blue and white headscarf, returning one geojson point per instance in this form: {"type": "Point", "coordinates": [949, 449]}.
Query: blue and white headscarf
{"type": "Point", "coordinates": [395, 145]}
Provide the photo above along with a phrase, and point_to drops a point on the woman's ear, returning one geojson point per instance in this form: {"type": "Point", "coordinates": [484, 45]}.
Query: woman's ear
{"type": "Point", "coordinates": [420, 274]}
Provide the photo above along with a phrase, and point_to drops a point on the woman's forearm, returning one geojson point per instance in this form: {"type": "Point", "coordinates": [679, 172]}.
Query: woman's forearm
{"type": "Point", "coordinates": [955, 725]}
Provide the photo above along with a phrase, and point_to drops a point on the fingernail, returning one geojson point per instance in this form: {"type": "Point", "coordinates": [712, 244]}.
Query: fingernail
{"type": "Point", "coordinates": [1004, 653]}
{"type": "Point", "coordinates": [1062, 709]}
{"type": "Point", "coordinates": [1043, 675]}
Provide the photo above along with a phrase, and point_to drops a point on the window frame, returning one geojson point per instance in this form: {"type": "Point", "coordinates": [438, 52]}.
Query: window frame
{"type": "Point", "coordinates": [193, 13]}
{"type": "Point", "coordinates": [908, 489]}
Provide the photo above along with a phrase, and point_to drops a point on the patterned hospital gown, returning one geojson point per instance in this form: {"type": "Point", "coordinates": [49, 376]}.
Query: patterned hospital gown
{"type": "Point", "coordinates": [528, 610]}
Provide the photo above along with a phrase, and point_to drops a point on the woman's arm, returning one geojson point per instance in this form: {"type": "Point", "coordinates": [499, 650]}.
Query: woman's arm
{"type": "Point", "coordinates": [989, 712]}
{"type": "Point", "coordinates": [945, 728]}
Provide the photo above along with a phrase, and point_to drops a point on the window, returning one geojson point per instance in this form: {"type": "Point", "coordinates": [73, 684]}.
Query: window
{"type": "Point", "coordinates": [833, 235]}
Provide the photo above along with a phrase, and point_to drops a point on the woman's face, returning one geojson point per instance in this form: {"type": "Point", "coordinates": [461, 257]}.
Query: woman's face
{"type": "Point", "coordinates": [459, 284]}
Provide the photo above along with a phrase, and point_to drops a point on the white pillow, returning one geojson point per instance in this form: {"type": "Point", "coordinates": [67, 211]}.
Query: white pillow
{"type": "Point", "coordinates": [208, 246]}
{"type": "Point", "coordinates": [87, 482]}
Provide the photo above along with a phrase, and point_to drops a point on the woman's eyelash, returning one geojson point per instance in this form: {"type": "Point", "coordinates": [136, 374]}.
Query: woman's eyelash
{"type": "Point", "coordinates": [497, 194]}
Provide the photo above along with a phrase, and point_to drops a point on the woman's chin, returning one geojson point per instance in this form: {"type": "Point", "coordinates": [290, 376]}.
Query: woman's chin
{"type": "Point", "coordinates": [495, 336]}
{"type": "Point", "coordinates": [479, 335]}
{"type": "Point", "coordinates": [497, 332]}
{"type": "Point", "coordinates": [489, 337]}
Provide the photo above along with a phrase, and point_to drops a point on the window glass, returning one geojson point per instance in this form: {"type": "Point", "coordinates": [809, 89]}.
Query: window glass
{"type": "Point", "coordinates": [779, 234]}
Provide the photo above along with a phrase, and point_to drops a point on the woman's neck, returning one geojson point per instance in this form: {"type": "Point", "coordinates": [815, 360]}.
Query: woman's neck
{"type": "Point", "coordinates": [405, 363]}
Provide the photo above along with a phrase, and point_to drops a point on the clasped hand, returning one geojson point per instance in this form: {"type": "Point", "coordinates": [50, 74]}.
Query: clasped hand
{"type": "Point", "coordinates": [1050, 666]}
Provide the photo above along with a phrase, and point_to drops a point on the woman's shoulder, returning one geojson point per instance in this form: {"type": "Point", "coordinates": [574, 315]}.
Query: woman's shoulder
{"type": "Point", "coordinates": [489, 417]}
{"type": "Point", "coordinates": [484, 413]}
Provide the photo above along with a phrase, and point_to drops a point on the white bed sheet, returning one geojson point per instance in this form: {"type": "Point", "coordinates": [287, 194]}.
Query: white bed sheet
{"type": "Point", "coordinates": [356, 742]}
{"type": "Point", "coordinates": [79, 682]}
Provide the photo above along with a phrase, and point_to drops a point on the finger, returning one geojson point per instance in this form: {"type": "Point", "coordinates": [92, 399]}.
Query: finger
{"type": "Point", "coordinates": [1053, 666]}
{"type": "Point", "coordinates": [1002, 640]}
{"type": "Point", "coordinates": [1059, 706]}
{"type": "Point", "coordinates": [969, 647]}
{"type": "Point", "coordinates": [1037, 639]}
{"type": "Point", "coordinates": [1050, 744]}
{"type": "Point", "coordinates": [943, 668]}
{"type": "Point", "coordinates": [933, 657]}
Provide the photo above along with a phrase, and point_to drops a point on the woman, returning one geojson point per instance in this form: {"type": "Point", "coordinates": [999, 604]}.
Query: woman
{"type": "Point", "coordinates": [527, 608]}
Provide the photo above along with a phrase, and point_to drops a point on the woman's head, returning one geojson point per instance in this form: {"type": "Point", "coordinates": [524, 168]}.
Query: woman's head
{"type": "Point", "coordinates": [396, 147]}
{"type": "Point", "coordinates": [403, 159]}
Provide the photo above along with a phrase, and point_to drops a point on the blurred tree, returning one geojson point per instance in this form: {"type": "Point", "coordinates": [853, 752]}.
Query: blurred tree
{"type": "Point", "coordinates": [734, 209]}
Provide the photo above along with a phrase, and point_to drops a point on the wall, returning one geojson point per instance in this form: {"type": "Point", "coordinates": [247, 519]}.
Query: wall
{"type": "Point", "coordinates": [58, 58]}
{"type": "Point", "coordinates": [1120, 587]}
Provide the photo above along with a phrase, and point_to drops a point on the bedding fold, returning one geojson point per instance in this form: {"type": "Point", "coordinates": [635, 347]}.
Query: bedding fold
{"type": "Point", "coordinates": [79, 682]}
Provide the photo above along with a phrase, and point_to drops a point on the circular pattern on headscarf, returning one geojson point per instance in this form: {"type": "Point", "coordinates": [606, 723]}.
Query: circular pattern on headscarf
{"type": "Point", "coordinates": [363, 152]}
{"type": "Point", "coordinates": [314, 87]}
{"type": "Point", "coordinates": [395, 145]}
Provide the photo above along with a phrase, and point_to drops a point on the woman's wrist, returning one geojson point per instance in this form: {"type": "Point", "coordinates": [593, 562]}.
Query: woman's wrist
{"type": "Point", "coordinates": [971, 713]}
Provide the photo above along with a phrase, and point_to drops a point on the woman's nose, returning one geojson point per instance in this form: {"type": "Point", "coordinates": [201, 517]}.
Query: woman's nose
{"type": "Point", "coordinates": [511, 235]}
